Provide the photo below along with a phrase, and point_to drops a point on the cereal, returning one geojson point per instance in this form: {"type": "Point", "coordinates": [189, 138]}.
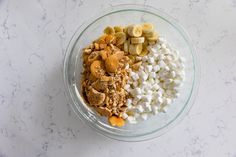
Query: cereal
{"type": "Point", "coordinates": [97, 69]}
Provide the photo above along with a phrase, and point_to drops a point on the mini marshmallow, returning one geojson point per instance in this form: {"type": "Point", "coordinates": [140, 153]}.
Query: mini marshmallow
{"type": "Point", "coordinates": [152, 74]}
{"type": "Point", "coordinates": [134, 76]}
{"type": "Point", "coordinates": [164, 109]}
{"type": "Point", "coordinates": [149, 68]}
{"type": "Point", "coordinates": [138, 58]}
{"type": "Point", "coordinates": [172, 74]}
{"type": "Point", "coordinates": [147, 98]}
{"type": "Point", "coordinates": [124, 115]}
{"type": "Point", "coordinates": [166, 68]}
{"type": "Point", "coordinates": [128, 102]}
{"type": "Point", "coordinates": [137, 91]}
{"type": "Point", "coordinates": [127, 87]}
{"type": "Point", "coordinates": [139, 97]}
{"type": "Point", "coordinates": [151, 60]}
{"type": "Point", "coordinates": [155, 86]}
{"type": "Point", "coordinates": [161, 57]}
{"type": "Point", "coordinates": [152, 49]}
{"type": "Point", "coordinates": [159, 100]}
{"type": "Point", "coordinates": [163, 46]}
{"type": "Point", "coordinates": [131, 120]}
{"type": "Point", "coordinates": [156, 68]}
{"type": "Point", "coordinates": [148, 108]}
{"type": "Point", "coordinates": [143, 75]}
{"type": "Point", "coordinates": [139, 109]}
{"type": "Point", "coordinates": [144, 116]}
{"type": "Point", "coordinates": [162, 63]}
{"type": "Point", "coordinates": [154, 109]}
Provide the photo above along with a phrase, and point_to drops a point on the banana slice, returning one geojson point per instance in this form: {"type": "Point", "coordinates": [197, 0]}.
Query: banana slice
{"type": "Point", "coordinates": [126, 46]}
{"type": "Point", "coordinates": [118, 29]}
{"type": "Point", "coordinates": [147, 27]}
{"type": "Point", "coordinates": [149, 34]}
{"type": "Point", "coordinates": [151, 42]}
{"type": "Point", "coordinates": [154, 37]}
{"type": "Point", "coordinates": [134, 30]}
{"type": "Point", "coordinates": [120, 38]}
{"type": "Point", "coordinates": [144, 52]}
{"type": "Point", "coordinates": [135, 49]}
{"type": "Point", "coordinates": [138, 40]}
{"type": "Point", "coordinates": [109, 30]}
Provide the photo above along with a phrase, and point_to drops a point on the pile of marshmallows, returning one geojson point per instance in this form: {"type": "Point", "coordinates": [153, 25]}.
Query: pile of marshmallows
{"type": "Point", "coordinates": [155, 85]}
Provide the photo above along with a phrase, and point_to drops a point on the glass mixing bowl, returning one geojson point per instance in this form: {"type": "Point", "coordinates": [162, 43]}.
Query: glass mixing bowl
{"type": "Point", "coordinates": [125, 15]}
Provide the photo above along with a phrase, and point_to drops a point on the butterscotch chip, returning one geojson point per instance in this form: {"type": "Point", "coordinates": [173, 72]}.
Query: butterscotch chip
{"type": "Point", "coordinates": [95, 98]}
{"type": "Point", "coordinates": [116, 121]}
{"type": "Point", "coordinates": [97, 69]}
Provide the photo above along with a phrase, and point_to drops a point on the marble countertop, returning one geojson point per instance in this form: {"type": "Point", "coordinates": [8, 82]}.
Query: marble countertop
{"type": "Point", "coordinates": [34, 118]}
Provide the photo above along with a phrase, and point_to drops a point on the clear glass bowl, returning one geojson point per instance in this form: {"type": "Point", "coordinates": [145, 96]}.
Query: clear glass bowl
{"type": "Point", "coordinates": [125, 15]}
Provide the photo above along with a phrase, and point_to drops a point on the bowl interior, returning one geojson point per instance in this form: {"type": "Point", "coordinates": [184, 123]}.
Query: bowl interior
{"type": "Point", "coordinates": [126, 15]}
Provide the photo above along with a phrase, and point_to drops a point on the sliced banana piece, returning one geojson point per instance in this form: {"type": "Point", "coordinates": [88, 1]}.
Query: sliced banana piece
{"type": "Point", "coordinates": [118, 29]}
{"type": "Point", "coordinates": [126, 45]}
{"type": "Point", "coordinates": [120, 38]}
{"type": "Point", "coordinates": [134, 30]}
{"type": "Point", "coordinates": [144, 52]}
{"type": "Point", "coordinates": [154, 37]}
{"type": "Point", "coordinates": [138, 40]}
{"type": "Point", "coordinates": [135, 49]}
{"type": "Point", "coordinates": [109, 30]}
{"type": "Point", "coordinates": [149, 34]}
{"type": "Point", "coordinates": [147, 27]}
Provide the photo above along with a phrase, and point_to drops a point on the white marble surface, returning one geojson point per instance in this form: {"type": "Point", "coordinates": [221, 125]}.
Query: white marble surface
{"type": "Point", "coordinates": [34, 118]}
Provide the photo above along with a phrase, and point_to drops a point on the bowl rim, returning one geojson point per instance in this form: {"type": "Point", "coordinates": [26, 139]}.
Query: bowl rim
{"type": "Point", "coordinates": [151, 10]}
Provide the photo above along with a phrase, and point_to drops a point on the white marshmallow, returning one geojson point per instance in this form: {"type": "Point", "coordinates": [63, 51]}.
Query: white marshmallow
{"type": "Point", "coordinates": [124, 115]}
{"type": "Point", "coordinates": [152, 75]}
{"type": "Point", "coordinates": [154, 109]}
{"type": "Point", "coordinates": [144, 116]}
{"type": "Point", "coordinates": [151, 60]}
{"type": "Point", "coordinates": [156, 68]}
{"type": "Point", "coordinates": [162, 63]}
{"type": "Point", "coordinates": [149, 68]}
{"type": "Point", "coordinates": [132, 120]}
{"type": "Point", "coordinates": [139, 109]}
{"type": "Point", "coordinates": [134, 76]}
